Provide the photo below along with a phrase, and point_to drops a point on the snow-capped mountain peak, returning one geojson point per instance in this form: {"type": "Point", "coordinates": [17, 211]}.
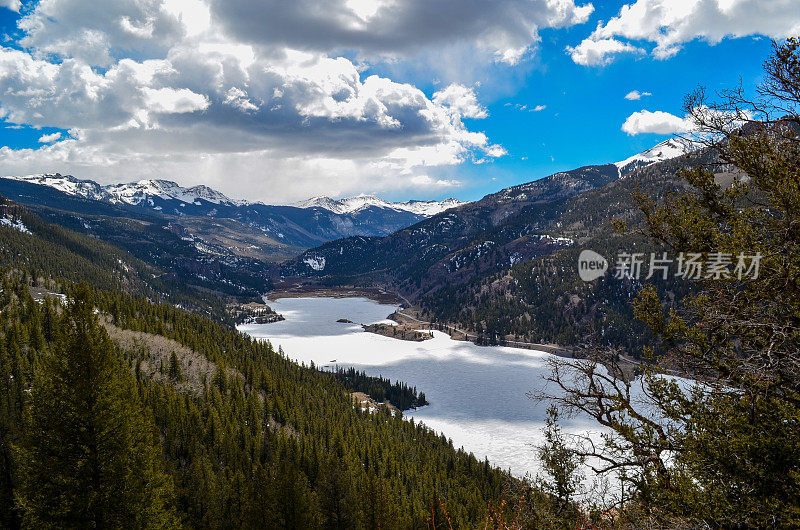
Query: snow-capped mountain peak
{"type": "Point", "coordinates": [430, 208]}
{"type": "Point", "coordinates": [170, 197]}
{"type": "Point", "coordinates": [66, 183]}
{"type": "Point", "coordinates": [145, 190]}
{"type": "Point", "coordinates": [346, 205]}
{"type": "Point", "coordinates": [359, 202]}
{"type": "Point", "coordinates": [209, 194]}
{"type": "Point", "coordinates": [671, 148]}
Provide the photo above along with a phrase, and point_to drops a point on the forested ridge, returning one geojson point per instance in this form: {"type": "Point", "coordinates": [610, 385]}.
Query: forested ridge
{"type": "Point", "coordinates": [261, 442]}
{"type": "Point", "coordinates": [379, 388]}
{"type": "Point", "coordinates": [52, 251]}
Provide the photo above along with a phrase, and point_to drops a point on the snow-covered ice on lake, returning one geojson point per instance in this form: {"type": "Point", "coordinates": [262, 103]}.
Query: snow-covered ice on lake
{"type": "Point", "coordinates": [477, 394]}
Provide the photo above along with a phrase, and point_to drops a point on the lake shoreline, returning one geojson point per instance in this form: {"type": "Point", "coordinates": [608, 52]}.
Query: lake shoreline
{"type": "Point", "coordinates": [401, 316]}
{"type": "Point", "coordinates": [309, 291]}
{"type": "Point", "coordinates": [477, 394]}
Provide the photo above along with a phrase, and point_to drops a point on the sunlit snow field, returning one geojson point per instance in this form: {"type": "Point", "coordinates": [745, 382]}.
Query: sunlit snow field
{"type": "Point", "coordinates": [477, 394]}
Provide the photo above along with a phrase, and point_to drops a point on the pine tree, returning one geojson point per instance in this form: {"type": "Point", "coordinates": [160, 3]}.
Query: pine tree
{"type": "Point", "coordinates": [561, 465]}
{"type": "Point", "coordinates": [335, 498]}
{"type": "Point", "coordinates": [175, 372]}
{"type": "Point", "coordinates": [725, 452]}
{"type": "Point", "coordinates": [89, 458]}
{"type": "Point", "coordinates": [294, 504]}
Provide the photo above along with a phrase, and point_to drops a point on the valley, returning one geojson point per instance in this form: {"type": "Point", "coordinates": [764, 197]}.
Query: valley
{"type": "Point", "coordinates": [400, 265]}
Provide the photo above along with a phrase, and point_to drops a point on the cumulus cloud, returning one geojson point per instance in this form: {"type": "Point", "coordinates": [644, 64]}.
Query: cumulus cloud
{"type": "Point", "coordinates": [668, 24]}
{"type": "Point", "coordinates": [47, 138]}
{"type": "Point", "coordinates": [190, 90]}
{"type": "Point", "coordinates": [13, 5]}
{"type": "Point", "coordinates": [507, 29]}
{"type": "Point", "coordinates": [658, 122]}
{"type": "Point", "coordinates": [461, 100]}
{"type": "Point", "coordinates": [592, 52]}
{"type": "Point", "coordinates": [173, 101]}
{"type": "Point", "coordinates": [634, 95]}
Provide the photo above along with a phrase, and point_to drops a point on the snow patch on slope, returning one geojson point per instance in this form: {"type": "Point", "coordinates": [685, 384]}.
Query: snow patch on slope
{"type": "Point", "coordinates": [145, 190]}
{"type": "Point", "coordinates": [66, 183]}
{"type": "Point", "coordinates": [315, 262]}
{"type": "Point", "coordinates": [16, 224]}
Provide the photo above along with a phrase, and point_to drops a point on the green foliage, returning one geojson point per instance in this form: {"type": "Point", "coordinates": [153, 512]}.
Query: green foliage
{"type": "Point", "coordinates": [175, 373]}
{"type": "Point", "coordinates": [723, 452]}
{"type": "Point", "coordinates": [88, 456]}
{"type": "Point", "coordinates": [255, 440]}
{"type": "Point", "coordinates": [562, 466]}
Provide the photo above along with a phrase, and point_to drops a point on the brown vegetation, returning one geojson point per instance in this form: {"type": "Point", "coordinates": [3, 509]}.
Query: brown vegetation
{"type": "Point", "coordinates": [399, 331]}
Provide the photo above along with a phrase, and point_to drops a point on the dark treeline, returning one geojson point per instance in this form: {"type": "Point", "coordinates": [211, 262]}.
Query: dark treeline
{"type": "Point", "coordinates": [380, 389]}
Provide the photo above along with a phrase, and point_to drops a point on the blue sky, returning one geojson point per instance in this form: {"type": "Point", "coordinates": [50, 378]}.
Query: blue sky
{"type": "Point", "coordinates": [586, 107]}
{"type": "Point", "coordinates": [406, 99]}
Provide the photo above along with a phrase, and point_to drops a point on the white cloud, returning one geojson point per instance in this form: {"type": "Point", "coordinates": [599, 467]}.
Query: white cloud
{"type": "Point", "coordinates": [634, 95]}
{"type": "Point", "coordinates": [237, 98]}
{"type": "Point", "coordinates": [658, 122]}
{"type": "Point", "coordinates": [460, 100]}
{"type": "Point", "coordinates": [496, 151]}
{"type": "Point", "coordinates": [13, 5]}
{"type": "Point", "coordinates": [526, 108]}
{"type": "Point", "coordinates": [198, 98]}
{"type": "Point", "coordinates": [47, 138]}
{"type": "Point", "coordinates": [425, 181]}
{"type": "Point", "coordinates": [173, 101]}
{"type": "Point", "coordinates": [668, 24]}
{"type": "Point", "coordinates": [195, 15]}
{"type": "Point", "coordinates": [597, 52]}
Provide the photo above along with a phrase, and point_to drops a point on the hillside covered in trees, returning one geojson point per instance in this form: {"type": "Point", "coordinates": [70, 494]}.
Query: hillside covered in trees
{"type": "Point", "coordinates": [233, 432]}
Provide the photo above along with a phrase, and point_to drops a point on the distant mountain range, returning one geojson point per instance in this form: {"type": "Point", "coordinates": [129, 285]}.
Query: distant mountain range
{"type": "Point", "coordinates": [201, 236]}
{"type": "Point", "coordinates": [206, 239]}
{"type": "Point", "coordinates": [157, 193]}
{"type": "Point", "coordinates": [265, 231]}
{"type": "Point", "coordinates": [354, 204]}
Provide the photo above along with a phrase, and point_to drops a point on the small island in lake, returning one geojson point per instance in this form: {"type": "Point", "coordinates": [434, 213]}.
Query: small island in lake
{"type": "Point", "coordinates": [399, 331]}
{"type": "Point", "coordinates": [253, 313]}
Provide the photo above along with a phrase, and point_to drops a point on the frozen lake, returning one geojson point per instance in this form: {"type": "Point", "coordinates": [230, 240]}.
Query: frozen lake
{"type": "Point", "coordinates": [477, 394]}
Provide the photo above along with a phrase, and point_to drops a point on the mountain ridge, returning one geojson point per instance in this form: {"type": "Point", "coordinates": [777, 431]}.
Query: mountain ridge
{"type": "Point", "coordinates": [502, 229]}
{"type": "Point", "coordinates": [143, 192]}
{"type": "Point", "coordinates": [358, 202]}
